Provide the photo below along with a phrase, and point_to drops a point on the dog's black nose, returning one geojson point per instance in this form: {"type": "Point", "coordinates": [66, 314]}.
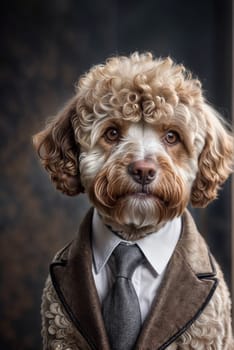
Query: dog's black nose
{"type": "Point", "coordinates": [142, 171]}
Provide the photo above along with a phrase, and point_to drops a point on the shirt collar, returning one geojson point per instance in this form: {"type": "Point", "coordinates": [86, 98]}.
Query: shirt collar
{"type": "Point", "coordinates": [157, 247]}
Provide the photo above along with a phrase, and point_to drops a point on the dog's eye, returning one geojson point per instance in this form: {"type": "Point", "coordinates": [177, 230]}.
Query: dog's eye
{"type": "Point", "coordinates": [171, 137]}
{"type": "Point", "coordinates": [111, 134]}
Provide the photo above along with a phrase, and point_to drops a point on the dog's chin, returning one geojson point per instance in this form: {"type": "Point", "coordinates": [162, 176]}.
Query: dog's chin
{"type": "Point", "coordinates": [136, 215]}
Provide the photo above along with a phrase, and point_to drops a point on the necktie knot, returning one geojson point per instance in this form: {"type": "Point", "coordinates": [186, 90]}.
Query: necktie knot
{"type": "Point", "coordinates": [127, 258]}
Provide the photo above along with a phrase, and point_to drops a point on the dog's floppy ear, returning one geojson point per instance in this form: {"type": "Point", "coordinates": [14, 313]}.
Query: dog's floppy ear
{"type": "Point", "coordinates": [59, 152]}
{"type": "Point", "coordinates": [215, 161]}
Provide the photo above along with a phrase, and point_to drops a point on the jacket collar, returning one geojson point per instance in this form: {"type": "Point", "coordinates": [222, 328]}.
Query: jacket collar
{"type": "Point", "coordinates": [187, 288]}
{"type": "Point", "coordinates": [71, 275]}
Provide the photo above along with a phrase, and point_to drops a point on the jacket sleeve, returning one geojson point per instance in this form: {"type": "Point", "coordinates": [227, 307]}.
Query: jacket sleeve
{"type": "Point", "coordinates": [58, 332]}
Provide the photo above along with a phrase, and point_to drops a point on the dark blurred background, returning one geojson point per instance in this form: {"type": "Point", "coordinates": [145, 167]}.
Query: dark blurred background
{"type": "Point", "coordinates": [45, 46]}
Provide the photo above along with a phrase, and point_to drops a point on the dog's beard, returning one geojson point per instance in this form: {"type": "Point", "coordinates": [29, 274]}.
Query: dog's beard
{"type": "Point", "coordinates": [135, 210]}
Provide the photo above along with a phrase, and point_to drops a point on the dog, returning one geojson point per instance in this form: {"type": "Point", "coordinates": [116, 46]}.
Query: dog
{"type": "Point", "coordinates": [141, 140]}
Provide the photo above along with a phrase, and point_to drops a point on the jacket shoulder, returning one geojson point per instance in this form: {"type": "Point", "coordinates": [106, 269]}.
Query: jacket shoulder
{"type": "Point", "coordinates": [214, 323]}
{"type": "Point", "coordinates": [213, 326]}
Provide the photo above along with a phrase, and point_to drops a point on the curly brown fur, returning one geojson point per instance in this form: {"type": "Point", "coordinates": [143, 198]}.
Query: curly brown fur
{"type": "Point", "coordinates": [138, 91]}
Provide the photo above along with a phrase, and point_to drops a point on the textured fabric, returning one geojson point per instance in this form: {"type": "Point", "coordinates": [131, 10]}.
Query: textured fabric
{"type": "Point", "coordinates": [121, 311]}
{"type": "Point", "coordinates": [191, 311]}
{"type": "Point", "coordinates": [147, 277]}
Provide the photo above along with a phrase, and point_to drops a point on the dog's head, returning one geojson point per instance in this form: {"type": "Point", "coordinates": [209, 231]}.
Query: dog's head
{"type": "Point", "coordinates": [141, 140]}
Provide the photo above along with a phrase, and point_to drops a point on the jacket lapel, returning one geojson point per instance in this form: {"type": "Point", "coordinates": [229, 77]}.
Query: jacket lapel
{"type": "Point", "coordinates": [188, 286]}
{"type": "Point", "coordinates": [71, 275]}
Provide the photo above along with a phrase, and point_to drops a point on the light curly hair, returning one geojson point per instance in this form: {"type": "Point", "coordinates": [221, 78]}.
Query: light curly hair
{"type": "Point", "coordinates": [136, 88]}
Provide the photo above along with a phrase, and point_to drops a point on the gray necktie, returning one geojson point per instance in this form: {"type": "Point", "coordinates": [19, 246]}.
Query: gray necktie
{"type": "Point", "coordinates": [121, 311]}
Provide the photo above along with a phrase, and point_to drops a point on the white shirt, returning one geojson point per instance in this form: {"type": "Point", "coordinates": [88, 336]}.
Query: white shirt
{"type": "Point", "coordinates": [157, 248]}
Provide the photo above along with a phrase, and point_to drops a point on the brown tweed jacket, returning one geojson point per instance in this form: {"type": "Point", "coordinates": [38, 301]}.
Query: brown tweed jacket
{"type": "Point", "coordinates": [191, 311]}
